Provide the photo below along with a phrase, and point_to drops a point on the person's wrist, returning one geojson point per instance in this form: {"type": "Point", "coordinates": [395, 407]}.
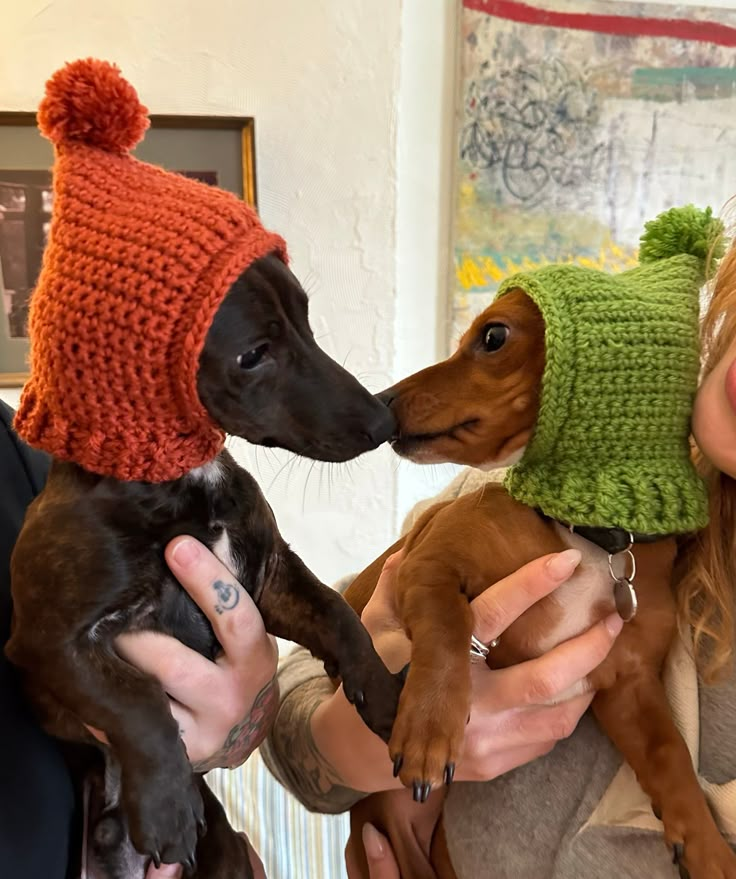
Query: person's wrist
{"type": "Point", "coordinates": [358, 758]}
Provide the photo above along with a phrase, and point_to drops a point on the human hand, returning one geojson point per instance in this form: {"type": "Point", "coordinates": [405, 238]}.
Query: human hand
{"type": "Point", "coordinates": [224, 708]}
{"type": "Point", "coordinates": [379, 854]}
{"type": "Point", "coordinates": [513, 716]}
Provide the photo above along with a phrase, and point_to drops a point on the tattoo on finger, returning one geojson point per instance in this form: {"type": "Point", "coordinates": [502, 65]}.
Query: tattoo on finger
{"type": "Point", "coordinates": [228, 596]}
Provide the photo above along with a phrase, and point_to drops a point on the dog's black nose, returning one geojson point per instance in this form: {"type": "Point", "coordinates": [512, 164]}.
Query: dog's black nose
{"type": "Point", "coordinates": [381, 427]}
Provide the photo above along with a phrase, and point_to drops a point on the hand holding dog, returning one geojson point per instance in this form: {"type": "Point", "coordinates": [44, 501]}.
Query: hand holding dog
{"type": "Point", "coordinates": [514, 718]}
{"type": "Point", "coordinates": [224, 708]}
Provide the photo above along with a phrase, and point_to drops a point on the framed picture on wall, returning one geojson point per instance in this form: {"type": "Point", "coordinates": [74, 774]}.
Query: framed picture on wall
{"type": "Point", "coordinates": [217, 150]}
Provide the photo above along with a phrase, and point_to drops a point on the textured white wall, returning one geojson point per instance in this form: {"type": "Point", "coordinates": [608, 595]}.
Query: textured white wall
{"type": "Point", "coordinates": [321, 79]}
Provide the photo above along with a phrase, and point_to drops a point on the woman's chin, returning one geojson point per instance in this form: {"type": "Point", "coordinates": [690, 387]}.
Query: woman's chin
{"type": "Point", "coordinates": [714, 421]}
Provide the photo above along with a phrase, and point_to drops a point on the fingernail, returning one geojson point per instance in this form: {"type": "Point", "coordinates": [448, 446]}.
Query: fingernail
{"type": "Point", "coordinates": [564, 563]}
{"type": "Point", "coordinates": [185, 552]}
{"type": "Point", "coordinates": [171, 870]}
{"type": "Point", "coordinates": [373, 843]}
{"type": "Point", "coordinates": [614, 624]}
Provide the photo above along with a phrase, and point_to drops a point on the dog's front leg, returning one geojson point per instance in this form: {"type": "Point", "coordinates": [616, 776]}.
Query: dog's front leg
{"type": "Point", "coordinates": [433, 712]}
{"type": "Point", "coordinates": [159, 795]}
{"type": "Point", "coordinates": [635, 715]}
{"type": "Point", "coordinates": [296, 606]}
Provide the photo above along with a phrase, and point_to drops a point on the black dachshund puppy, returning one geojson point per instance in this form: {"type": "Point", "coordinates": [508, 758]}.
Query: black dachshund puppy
{"type": "Point", "coordinates": [89, 564]}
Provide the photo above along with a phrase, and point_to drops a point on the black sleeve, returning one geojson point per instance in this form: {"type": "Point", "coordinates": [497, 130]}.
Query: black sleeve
{"type": "Point", "coordinates": [36, 794]}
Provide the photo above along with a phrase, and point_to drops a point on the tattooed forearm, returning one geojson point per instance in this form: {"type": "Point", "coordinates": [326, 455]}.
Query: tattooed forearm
{"type": "Point", "coordinates": [247, 735]}
{"type": "Point", "coordinates": [299, 764]}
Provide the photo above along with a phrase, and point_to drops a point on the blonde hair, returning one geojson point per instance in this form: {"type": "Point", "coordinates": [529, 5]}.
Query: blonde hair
{"type": "Point", "coordinates": [705, 593]}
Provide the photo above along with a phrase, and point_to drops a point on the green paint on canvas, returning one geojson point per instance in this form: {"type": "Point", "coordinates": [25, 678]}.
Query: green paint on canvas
{"type": "Point", "coordinates": [683, 83]}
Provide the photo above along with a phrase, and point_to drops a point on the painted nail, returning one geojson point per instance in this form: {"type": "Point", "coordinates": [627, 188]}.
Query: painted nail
{"type": "Point", "coordinates": [614, 624]}
{"type": "Point", "coordinates": [564, 563]}
{"type": "Point", "coordinates": [373, 843]}
{"type": "Point", "coordinates": [185, 552]}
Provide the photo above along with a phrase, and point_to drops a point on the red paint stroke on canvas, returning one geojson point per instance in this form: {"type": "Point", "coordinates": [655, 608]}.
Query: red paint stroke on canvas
{"type": "Point", "coordinates": [625, 25]}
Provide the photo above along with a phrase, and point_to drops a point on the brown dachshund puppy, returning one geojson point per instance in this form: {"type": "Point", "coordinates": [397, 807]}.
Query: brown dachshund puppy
{"type": "Point", "coordinates": [480, 408]}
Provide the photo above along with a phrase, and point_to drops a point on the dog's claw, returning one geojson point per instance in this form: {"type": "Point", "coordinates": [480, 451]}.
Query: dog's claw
{"type": "Point", "coordinates": [678, 853]}
{"type": "Point", "coordinates": [201, 826]}
{"type": "Point", "coordinates": [657, 812]}
{"type": "Point", "coordinates": [449, 773]}
{"type": "Point", "coordinates": [421, 791]}
{"type": "Point", "coordinates": [156, 858]}
{"type": "Point", "coordinates": [359, 699]}
{"type": "Point", "coordinates": [398, 763]}
{"type": "Point", "coordinates": [191, 863]}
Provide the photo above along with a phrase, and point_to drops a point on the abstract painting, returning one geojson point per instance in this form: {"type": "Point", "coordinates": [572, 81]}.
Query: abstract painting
{"type": "Point", "coordinates": [576, 124]}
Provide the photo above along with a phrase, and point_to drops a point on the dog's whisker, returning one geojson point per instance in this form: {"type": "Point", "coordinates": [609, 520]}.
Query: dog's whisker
{"type": "Point", "coordinates": [306, 483]}
{"type": "Point", "coordinates": [293, 465]}
{"type": "Point", "coordinates": [310, 283]}
{"type": "Point", "coordinates": [345, 359]}
{"type": "Point", "coordinates": [280, 470]}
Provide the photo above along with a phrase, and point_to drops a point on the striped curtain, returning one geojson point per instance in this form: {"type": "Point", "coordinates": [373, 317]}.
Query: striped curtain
{"type": "Point", "coordinates": [292, 842]}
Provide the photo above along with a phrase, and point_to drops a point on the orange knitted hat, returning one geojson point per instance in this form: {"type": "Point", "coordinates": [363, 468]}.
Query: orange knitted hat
{"type": "Point", "coordinates": [138, 261]}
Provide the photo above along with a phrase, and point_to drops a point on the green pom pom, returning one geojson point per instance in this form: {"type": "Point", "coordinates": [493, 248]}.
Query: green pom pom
{"type": "Point", "coordinates": [682, 230]}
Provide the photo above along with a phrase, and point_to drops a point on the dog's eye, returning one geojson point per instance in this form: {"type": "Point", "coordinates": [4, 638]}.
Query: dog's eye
{"type": "Point", "coordinates": [252, 358]}
{"type": "Point", "coordinates": [494, 336]}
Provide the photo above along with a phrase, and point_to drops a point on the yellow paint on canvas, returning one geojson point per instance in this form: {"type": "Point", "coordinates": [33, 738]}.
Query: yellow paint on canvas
{"type": "Point", "coordinates": [478, 272]}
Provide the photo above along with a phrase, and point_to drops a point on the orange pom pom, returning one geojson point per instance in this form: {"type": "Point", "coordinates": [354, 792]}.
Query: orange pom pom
{"type": "Point", "coordinates": [89, 102]}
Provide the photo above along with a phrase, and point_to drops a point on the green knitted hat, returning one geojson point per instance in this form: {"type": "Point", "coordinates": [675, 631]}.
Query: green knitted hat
{"type": "Point", "coordinates": [611, 445]}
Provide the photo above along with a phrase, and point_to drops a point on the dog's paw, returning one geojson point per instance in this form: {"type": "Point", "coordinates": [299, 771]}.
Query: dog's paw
{"type": "Point", "coordinates": [701, 858]}
{"type": "Point", "coordinates": [375, 695]}
{"type": "Point", "coordinates": [426, 744]}
{"type": "Point", "coordinates": [165, 818]}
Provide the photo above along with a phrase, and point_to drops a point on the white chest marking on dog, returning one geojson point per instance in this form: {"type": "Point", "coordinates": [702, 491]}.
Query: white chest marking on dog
{"type": "Point", "coordinates": [581, 596]}
{"type": "Point", "coordinates": [221, 549]}
{"type": "Point", "coordinates": [210, 473]}
{"type": "Point", "coordinates": [512, 459]}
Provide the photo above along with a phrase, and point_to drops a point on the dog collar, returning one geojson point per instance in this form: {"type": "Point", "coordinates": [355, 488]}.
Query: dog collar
{"type": "Point", "coordinates": [610, 540]}
{"type": "Point", "coordinates": [618, 543]}
{"type": "Point", "coordinates": [613, 540]}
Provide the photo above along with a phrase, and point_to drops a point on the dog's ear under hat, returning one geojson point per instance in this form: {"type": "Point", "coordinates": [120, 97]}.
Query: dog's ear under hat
{"type": "Point", "coordinates": [611, 447]}
{"type": "Point", "coordinates": [138, 261]}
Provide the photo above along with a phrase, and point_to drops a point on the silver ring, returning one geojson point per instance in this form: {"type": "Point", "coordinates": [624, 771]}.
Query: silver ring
{"type": "Point", "coordinates": [479, 651]}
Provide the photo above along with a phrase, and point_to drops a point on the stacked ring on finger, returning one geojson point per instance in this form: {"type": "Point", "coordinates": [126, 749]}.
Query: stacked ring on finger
{"type": "Point", "coordinates": [479, 651]}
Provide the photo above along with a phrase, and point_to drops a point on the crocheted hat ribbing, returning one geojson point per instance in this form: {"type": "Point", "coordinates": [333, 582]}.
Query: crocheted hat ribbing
{"type": "Point", "coordinates": [611, 444]}
{"type": "Point", "coordinates": [138, 261]}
